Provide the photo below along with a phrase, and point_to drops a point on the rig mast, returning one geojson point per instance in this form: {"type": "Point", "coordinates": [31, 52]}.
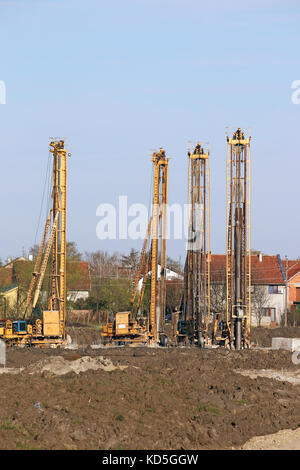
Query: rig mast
{"type": "Point", "coordinates": [159, 231]}
{"type": "Point", "coordinates": [132, 326]}
{"type": "Point", "coordinates": [57, 300]}
{"type": "Point", "coordinates": [236, 330]}
{"type": "Point", "coordinates": [196, 295]}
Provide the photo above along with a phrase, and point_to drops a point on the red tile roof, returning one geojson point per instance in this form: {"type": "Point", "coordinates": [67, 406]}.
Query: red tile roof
{"type": "Point", "coordinates": [78, 275]}
{"type": "Point", "coordinates": [291, 266]}
{"type": "Point", "coordinates": [267, 271]}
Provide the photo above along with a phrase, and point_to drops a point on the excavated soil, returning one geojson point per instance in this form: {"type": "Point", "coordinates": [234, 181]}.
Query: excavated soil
{"type": "Point", "coordinates": [282, 440]}
{"type": "Point", "coordinates": [175, 398]}
{"type": "Point", "coordinates": [263, 336]}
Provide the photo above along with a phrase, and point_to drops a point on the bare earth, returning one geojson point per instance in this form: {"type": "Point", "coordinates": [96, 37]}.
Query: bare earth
{"type": "Point", "coordinates": [139, 398]}
{"type": "Point", "coordinates": [282, 440]}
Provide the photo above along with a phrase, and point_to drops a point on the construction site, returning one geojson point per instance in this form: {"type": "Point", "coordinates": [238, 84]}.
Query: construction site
{"type": "Point", "coordinates": [149, 264]}
{"type": "Point", "coordinates": [218, 382]}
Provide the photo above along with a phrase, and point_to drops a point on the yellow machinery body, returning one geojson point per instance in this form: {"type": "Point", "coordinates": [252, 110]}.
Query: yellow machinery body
{"type": "Point", "coordinates": [125, 329]}
{"type": "Point", "coordinates": [37, 334]}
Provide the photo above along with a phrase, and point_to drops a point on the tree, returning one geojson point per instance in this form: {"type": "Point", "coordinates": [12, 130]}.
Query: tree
{"type": "Point", "coordinates": [259, 299]}
{"type": "Point", "coordinates": [130, 261]}
{"type": "Point", "coordinates": [72, 252]}
{"type": "Point", "coordinates": [115, 294]}
{"type": "Point", "coordinates": [218, 297]}
{"type": "Point", "coordinates": [174, 265]}
{"type": "Point", "coordinates": [102, 266]}
{"type": "Point", "coordinates": [33, 251]}
{"type": "Point", "coordinates": [174, 290]}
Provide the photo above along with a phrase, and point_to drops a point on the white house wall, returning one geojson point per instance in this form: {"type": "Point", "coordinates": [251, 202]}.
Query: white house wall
{"type": "Point", "coordinates": [276, 301]}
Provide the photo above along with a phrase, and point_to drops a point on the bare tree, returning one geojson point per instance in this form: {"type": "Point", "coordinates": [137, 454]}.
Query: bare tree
{"type": "Point", "coordinates": [218, 297]}
{"type": "Point", "coordinates": [259, 299]}
{"type": "Point", "coordinates": [130, 261]}
{"type": "Point", "coordinates": [102, 266]}
{"type": "Point", "coordinates": [173, 294]}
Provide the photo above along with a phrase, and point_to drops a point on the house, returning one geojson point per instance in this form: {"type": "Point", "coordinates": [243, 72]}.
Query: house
{"type": "Point", "coordinates": [18, 273]}
{"type": "Point", "coordinates": [11, 262]}
{"type": "Point", "coordinates": [170, 275]}
{"type": "Point", "coordinates": [79, 281]}
{"type": "Point", "coordinates": [267, 287]}
{"type": "Point", "coordinates": [12, 298]}
{"type": "Point", "coordinates": [292, 270]}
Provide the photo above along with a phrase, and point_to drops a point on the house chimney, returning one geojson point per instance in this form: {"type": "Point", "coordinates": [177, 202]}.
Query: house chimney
{"type": "Point", "coordinates": [260, 256]}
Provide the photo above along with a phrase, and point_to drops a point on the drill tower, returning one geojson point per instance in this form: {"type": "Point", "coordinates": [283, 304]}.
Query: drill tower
{"type": "Point", "coordinates": [238, 257]}
{"type": "Point", "coordinates": [159, 233]}
{"type": "Point", "coordinates": [196, 295]}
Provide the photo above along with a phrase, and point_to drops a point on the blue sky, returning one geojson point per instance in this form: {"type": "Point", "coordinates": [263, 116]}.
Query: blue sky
{"type": "Point", "coordinates": [119, 79]}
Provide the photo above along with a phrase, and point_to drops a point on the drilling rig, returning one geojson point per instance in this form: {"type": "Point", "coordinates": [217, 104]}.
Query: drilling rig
{"type": "Point", "coordinates": [235, 330]}
{"type": "Point", "coordinates": [193, 320]}
{"type": "Point", "coordinates": [50, 330]}
{"type": "Point", "coordinates": [132, 326]}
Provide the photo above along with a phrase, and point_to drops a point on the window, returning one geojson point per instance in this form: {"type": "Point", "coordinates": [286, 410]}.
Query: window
{"type": "Point", "coordinates": [273, 289]}
{"type": "Point", "coordinates": [270, 312]}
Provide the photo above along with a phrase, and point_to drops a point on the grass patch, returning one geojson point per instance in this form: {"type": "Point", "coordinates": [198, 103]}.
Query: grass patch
{"type": "Point", "coordinates": [120, 418]}
{"type": "Point", "coordinates": [7, 426]}
{"type": "Point", "coordinates": [240, 402]}
{"type": "Point", "coordinates": [96, 327]}
{"type": "Point", "coordinates": [150, 410]}
{"type": "Point", "coordinates": [209, 408]}
{"type": "Point", "coordinates": [25, 446]}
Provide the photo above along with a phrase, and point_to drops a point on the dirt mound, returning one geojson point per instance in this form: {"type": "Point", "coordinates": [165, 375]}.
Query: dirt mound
{"type": "Point", "coordinates": [282, 440]}
{"type": "Point", "coordinates": [285, 376]}
{"type": "Point", "coordinates": [58, 365]}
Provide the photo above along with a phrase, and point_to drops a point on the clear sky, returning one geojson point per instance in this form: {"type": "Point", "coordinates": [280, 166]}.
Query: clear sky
{"type": "Point", "coordinates": [120, 78]}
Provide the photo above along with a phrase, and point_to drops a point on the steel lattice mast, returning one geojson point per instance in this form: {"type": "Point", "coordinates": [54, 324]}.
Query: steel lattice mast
{"type": "Point", "coordinates": [159, 232]}
{"type": "Point", "coordinates": [238, 257]}
{"type": "Point", "coordinates": [57, 300]}
{"type": "Point", "coordinates": [196, 297]}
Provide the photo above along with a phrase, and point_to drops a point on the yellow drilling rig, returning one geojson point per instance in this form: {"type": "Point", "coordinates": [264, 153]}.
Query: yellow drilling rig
{"type": "Point", "coordinates": [191, 324]}
{"type": "Point", "coordinates": [50, 329]}
{"type": "Point", "coordinates": [133, 326]}
{"type": "Point", "coordinates": [233, 331]}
